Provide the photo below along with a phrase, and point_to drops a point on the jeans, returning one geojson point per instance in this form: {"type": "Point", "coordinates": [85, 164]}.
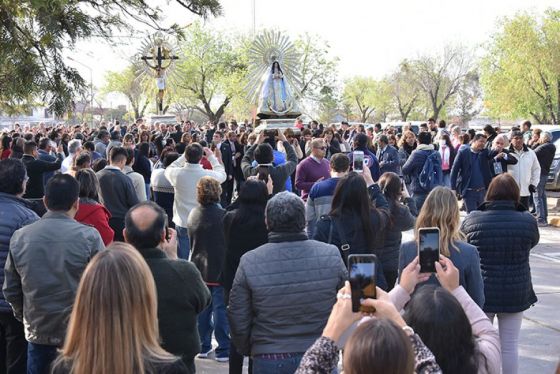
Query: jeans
{"type": "Point", "coordinates": [509, 326]}
{"type": "Point", "coordinates": [473, 199]}
{"type": "Point", "coordinates": [214, 319]}
{"type": "Point", "coordinates": [184, 247]}
{"type": "Point", "coordinates": [540, 200]}
{"type": "Point", "coordinates": [279, 366]}
{"type": "Point", "coordinates": [148, 195]}
{"type": "Point", "coordinates": [419, 200]}
{"type": "Point", "coordinates": [447, 179]}
{"type": "Point", "coordinates": [40, 358]}
{"type": "Point", "coordinates": [13, 351]}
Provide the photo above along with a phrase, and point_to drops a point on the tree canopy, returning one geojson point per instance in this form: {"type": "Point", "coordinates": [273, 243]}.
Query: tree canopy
{"type": "Point", "coordinates": [521, 70]}
{"type": "Point", "coordinates": [34, 35]}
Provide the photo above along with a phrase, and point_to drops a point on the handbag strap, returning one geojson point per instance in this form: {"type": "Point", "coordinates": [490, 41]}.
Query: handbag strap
{"type": "Point", "coordinates": [344, 245]}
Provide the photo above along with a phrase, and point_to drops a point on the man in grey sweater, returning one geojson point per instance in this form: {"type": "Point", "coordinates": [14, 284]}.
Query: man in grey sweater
{"type": "Point", "coordinates": [284, 290]}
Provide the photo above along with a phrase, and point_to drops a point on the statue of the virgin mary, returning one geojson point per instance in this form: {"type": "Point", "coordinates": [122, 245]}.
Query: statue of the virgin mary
{"type": "Point", "coordinates": [276, 98]}
{"type": "Point", "coordinates": [274, 76]}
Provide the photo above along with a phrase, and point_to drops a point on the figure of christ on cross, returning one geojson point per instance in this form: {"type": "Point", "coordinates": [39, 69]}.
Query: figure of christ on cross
{"type": "Point", "coordinates": [161, 57]}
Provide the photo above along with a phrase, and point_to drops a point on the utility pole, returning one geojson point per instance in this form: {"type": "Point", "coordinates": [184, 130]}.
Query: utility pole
{"type": "Point", "coordinates": [90, 86]}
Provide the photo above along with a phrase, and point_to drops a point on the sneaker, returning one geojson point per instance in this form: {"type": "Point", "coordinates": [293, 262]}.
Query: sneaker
{"type": "Point", "coordinates": [222, 359]}
{"type": "Point", "coordinates": [543, 224]}
{"type": "Point", "coordinates": [204, 354]}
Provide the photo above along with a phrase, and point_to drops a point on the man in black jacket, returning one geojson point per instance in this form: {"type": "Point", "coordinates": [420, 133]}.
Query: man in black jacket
{"type": "Point", "coordinates": [36, 168]}
{"type": "Point", "coordinates": [181, 292]}
{"type": "Point", "coordinates": [545, 154]}
{"type": "Point", "coordinates": [228, 159]}
{"type": "Point", "coordinates": [116, 190]}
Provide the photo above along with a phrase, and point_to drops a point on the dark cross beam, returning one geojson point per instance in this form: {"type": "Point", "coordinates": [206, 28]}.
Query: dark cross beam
{"type": "Point", "coordinates": [159, 59]}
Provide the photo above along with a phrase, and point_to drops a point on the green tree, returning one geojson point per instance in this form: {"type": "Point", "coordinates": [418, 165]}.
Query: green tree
{"type": "Point", "coordinates": [128, 83]}
{"type": "Point", "coordinates": [34, 35]}
{"type": "Point", "coordinates": [212, 70]}
{"type": "Point", "coordinates": [521, 69]}
{"type": "Point", "coordinates": [406, 94]}
{"type": "Point", "coordinates": [440, 76]}
{"type": "Point", "coordinates": [360, 95]}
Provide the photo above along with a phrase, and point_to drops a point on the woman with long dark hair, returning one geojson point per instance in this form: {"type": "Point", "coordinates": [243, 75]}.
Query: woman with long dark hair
{"type": "Point", "coordinates": [403, 216]}
{"type": "Point", "coordinates": [452, 325]}
{"type": "Point", "coordinates": [143, 166]}
{"type": "Point", "coordinates": [504, 233]}
{"type": "Point", "coordinates": [245, 230]}
{"type": "Point", "coordinates": [353, 220]}
{"type": "Point", "coordinates": [5, 147]}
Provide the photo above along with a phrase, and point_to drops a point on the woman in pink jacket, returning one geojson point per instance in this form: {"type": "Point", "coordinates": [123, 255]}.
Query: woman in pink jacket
{"type": "Point", "coordinates": [451, 324]}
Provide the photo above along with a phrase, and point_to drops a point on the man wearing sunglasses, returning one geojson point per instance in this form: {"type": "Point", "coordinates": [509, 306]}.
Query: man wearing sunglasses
{"type": "Point", "coordinates": [313, 169]}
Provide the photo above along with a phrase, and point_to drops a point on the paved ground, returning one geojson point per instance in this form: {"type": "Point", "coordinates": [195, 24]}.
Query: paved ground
{"type": "Point", "coordinates": [539, 346]}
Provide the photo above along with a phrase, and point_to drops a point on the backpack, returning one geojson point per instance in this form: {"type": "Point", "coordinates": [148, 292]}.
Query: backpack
{"type": "Point", "coordinates": [431, 175]}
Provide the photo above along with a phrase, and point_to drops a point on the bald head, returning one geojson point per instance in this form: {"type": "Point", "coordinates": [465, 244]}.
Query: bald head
{"type": "Point", "coordinates": [145, 225]}
{"type": "Point", "coordinates": [143, 217]}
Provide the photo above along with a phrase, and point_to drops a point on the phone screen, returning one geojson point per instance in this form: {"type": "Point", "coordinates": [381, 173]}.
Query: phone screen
{"type": "Point", "coordinates": [362, 281]}
{"type": "Point", "coordinates": [263, 173]}
{"type": "Point", "coordinates": [428, 249]}
{"type": "Point", "coordinates": [358, 161]}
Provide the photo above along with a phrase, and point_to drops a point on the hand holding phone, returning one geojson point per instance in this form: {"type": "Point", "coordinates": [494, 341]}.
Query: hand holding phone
{"type": "Point", "coordinates": [358, 161]}
{"type": "Point", "coordinates": [428, 248]}
{"type": "Point", "coordinates": [362, 281]}
{"type": "Point", "coordinates": [169, 245]}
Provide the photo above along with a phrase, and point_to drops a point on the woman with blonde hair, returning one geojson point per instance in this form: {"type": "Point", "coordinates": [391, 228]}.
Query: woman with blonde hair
{"type": "Point", "coordinates": [441, 210]}
{"type": "Point", "coordinates": [113, 327]}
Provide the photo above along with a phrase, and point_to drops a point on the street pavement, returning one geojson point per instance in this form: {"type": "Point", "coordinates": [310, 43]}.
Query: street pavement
{"type": "Point", "coordinates": [539, 342]}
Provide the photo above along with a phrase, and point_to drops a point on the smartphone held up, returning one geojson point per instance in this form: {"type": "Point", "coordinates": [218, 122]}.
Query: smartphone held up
{"type": "Point", "coordinates": [362, 281]}
{"type": "Point", "coordinates": [358, 161]}
{"type": "Point", "coordinates": [428, 248]}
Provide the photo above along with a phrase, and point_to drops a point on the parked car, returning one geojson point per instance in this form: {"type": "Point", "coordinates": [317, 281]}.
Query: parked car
{"type": "Point", "coordinates": [553, 181]}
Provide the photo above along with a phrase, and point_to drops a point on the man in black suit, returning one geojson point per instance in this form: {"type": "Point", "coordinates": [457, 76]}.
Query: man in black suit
{"type": "Point", "coordinates": [237, 150]}
{"type": "Point", "coordinates": [388, 156]}
{"type": "Point", "coordinates": [36, 168]}
{"type": "Point", "coordinates": [228, 160]}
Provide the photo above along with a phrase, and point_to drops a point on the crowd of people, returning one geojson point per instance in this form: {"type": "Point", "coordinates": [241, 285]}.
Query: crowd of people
{"type": "Point", "coordinates": [126, 248]}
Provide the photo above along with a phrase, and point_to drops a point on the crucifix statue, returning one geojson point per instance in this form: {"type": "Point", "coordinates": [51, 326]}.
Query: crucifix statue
{"type": "Point", "coordinates": [159, 58]}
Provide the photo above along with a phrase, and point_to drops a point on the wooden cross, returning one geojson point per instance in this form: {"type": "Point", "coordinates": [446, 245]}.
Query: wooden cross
{"type": "Point", "coordinates": [159, 67]}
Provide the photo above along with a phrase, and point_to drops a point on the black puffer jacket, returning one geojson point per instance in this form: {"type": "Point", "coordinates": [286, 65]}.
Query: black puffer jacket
{"type": "Point", "coordinates": [14, 214]}
{"type": "Point", "coordinates": [504, 233]}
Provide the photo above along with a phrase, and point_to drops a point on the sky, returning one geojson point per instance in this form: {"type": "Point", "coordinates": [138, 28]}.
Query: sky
{"type": "Point", "coordinates": [369, 37]}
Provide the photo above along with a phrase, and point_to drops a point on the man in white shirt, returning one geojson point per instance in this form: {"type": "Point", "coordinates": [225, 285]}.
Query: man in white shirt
{"type": "Point", "coordinates": [184, 174]}
{"type": "Point", "coordinates": [527, 171]}
{"type": "Point", "coordinates": [74, 147]}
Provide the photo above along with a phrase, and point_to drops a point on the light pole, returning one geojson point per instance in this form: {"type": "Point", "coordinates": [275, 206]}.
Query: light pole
{"type": "Point", "coordinates": [90, 86]}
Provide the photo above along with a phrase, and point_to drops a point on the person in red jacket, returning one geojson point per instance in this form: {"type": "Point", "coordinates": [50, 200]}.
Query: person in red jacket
{"type": "Point", "coordinates": [91, 212]}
